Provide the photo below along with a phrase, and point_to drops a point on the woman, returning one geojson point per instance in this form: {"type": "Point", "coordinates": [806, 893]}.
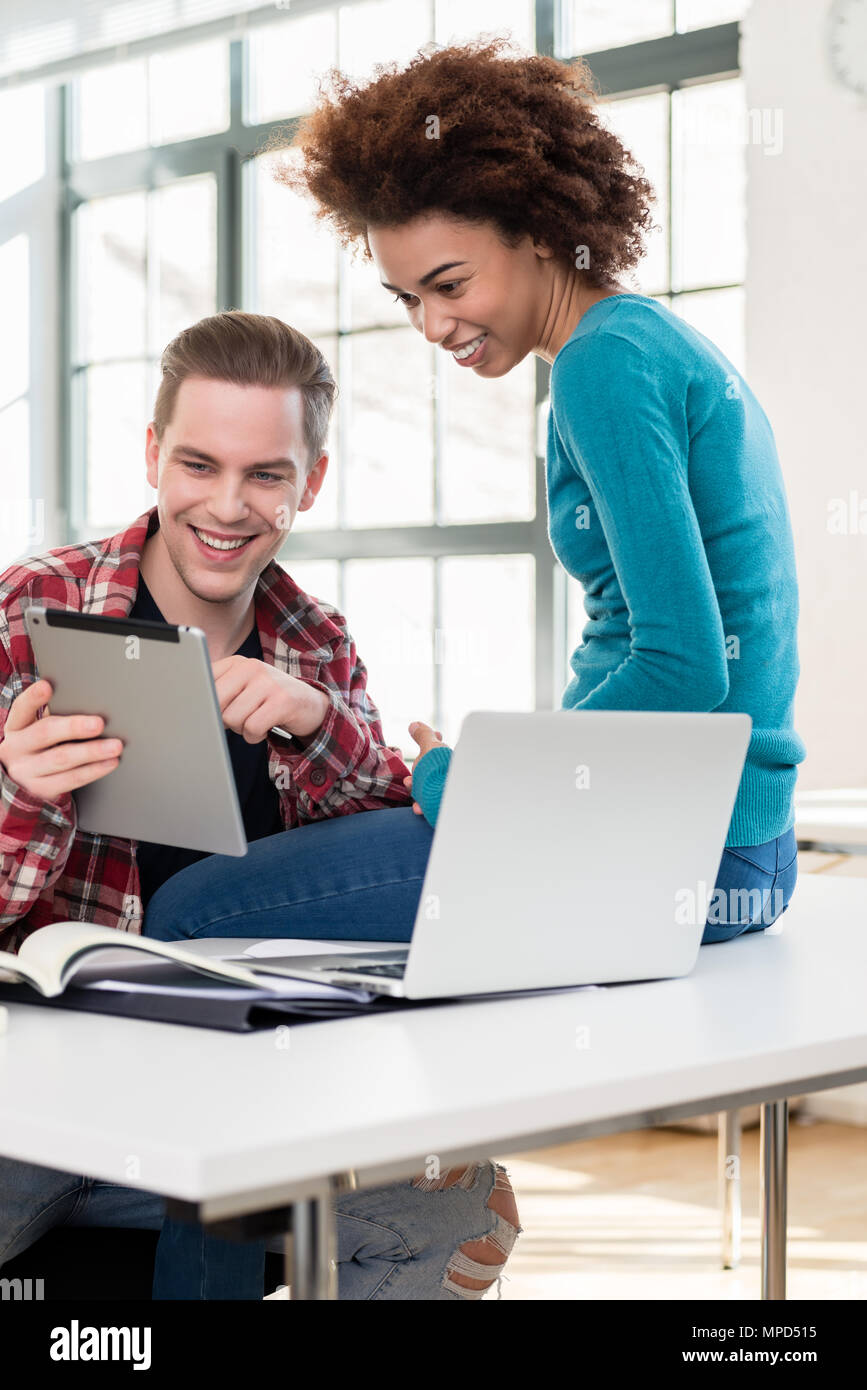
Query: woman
{"type": "Point", "coordinates": [500, 212]}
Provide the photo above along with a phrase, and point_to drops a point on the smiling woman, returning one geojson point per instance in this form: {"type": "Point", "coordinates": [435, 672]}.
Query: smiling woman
{"type": "Point", "coordinates": [500, 210]}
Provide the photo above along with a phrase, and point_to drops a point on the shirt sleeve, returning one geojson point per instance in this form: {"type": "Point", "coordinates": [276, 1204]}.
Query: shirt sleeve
{"type": "Point", "coordinates": [345, 765]}
{"type": "Point", "coordinates": [628, 439]}
{"type": "Point", "coordinates": [35, 835]}
{"type": "Point", "coordinates": [429, 775]}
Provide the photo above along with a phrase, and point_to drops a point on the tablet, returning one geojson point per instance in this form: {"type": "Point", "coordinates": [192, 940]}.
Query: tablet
{"type": "Point", "coordinates": [153, 685]}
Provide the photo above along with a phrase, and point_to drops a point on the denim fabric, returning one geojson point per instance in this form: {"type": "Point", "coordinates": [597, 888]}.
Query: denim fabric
{"type": "Point", "coordinates": [393, 1242]}
{"type": "Point", "coordinates": [360, 877]}
{"type": "Point", "coordinates": [754, 886]}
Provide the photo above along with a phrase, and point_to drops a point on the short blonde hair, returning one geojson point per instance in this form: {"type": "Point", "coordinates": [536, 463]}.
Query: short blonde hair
{"type": "Point", "coordinates": [250, 350]}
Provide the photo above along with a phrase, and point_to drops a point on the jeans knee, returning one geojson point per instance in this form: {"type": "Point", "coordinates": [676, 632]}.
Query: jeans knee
{"type": "Point", "coordinates": [474, 1266]}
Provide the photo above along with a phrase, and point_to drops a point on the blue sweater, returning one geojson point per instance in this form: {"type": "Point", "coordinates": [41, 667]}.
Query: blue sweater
{"type": "Point", "coordinates": [666, 501]}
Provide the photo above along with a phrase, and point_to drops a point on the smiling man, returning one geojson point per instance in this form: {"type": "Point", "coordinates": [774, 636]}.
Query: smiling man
{"type": "Point", "coordinates": [235, 450]}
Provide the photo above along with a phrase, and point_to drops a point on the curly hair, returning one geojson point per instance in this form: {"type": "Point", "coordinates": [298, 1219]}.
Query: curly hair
{"type": "Point", "coordinates": [516, 142]}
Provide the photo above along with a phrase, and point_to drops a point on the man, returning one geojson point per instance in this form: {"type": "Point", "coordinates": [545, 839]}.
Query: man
{"type": "Point", "coordinates": [235, 450]}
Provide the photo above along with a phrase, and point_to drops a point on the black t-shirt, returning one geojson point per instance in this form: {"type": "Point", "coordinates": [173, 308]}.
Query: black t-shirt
{"type": "Point", "coordinates": [258, 797]}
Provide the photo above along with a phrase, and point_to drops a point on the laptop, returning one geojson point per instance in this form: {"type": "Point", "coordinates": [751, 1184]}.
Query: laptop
{"type": "Point", "coordinates": [572, 847]}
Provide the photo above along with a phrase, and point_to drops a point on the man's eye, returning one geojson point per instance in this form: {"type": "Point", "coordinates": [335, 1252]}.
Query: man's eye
{"type": "Point", "coordinates": [188, 463]}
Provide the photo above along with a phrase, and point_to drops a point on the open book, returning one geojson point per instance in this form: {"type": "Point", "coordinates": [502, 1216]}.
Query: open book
{"type": "Point", "coordinates": [54, 956]}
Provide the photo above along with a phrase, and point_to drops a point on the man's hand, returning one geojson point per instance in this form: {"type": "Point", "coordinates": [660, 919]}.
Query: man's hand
{"type": "Point", "coordinates": [254, 697]}
{"type": "Point", "coordinates": [53, 755]}
{"type": "Point", "coordinates": [426, 738]}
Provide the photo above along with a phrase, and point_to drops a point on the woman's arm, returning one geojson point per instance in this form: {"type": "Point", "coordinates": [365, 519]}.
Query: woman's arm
{"type": "Point", "coordinates": [625, 431]}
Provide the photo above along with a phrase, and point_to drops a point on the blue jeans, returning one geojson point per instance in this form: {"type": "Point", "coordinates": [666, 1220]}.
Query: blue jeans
{"type": "Point", "coordinates": [397, 1241]}
{"type": "Point", "coordinates": [754, 886]}
{"type": "Point", "coordinates": [188, 1264]}
{"type": "Point", "coordinates": [359, 877]}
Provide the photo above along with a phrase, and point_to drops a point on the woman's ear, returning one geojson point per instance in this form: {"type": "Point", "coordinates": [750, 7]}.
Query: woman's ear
{"type": "Point", "coordinates": [542, 250]}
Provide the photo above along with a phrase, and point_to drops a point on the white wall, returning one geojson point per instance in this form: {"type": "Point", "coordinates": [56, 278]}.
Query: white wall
{"type": "Point", "coordinates": [806, 357]}
{"type": "Point", "coordinates": [806, 322]}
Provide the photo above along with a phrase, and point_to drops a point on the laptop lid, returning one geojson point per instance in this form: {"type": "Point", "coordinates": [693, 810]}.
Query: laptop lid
{"type": "Point", "coordinates": [575, 847]}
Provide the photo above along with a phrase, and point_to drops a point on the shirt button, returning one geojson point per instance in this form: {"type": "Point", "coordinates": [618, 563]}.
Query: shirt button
{"type": "Point", "coordinates": [317, 776]}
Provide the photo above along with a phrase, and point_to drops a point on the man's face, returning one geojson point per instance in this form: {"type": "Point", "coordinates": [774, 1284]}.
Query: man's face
{"type": "Point", "coordinates": [233, 463]}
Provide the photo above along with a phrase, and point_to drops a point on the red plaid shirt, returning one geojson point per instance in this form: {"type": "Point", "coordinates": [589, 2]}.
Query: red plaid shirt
{"type": "Point", "coordinates": [49, 870]}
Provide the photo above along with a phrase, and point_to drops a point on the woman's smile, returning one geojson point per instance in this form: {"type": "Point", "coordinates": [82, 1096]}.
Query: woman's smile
{"type": "Point", "coordinates": [472, 352]}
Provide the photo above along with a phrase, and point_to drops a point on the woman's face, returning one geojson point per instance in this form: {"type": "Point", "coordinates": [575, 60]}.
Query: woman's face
{"type": "Point", "coordinates": [460, 284]}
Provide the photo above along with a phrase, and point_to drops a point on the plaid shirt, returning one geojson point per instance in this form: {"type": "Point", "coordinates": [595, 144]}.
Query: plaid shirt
{"type": "Point", "coordinates": [49, 870]}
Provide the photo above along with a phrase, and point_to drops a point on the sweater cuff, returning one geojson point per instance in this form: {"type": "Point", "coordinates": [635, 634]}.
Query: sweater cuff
{"type": "Point", "coordinates": [429, 779]}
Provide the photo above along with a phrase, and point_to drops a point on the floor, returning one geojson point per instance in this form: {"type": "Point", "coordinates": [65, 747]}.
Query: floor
{"type": "Point", "coordinates": [637, 1216]}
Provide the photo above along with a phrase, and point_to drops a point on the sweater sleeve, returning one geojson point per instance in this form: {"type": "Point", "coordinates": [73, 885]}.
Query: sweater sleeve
{"type": "Point", "coordinates": [627, 438]}
{"type": "Point", "coordinates": [429, 779]}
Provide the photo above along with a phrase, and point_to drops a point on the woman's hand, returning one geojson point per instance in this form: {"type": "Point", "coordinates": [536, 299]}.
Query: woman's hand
{"type": "Point", "coordinates": [426, 738]}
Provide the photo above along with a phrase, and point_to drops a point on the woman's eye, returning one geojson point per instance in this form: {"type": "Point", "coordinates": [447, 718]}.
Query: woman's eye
{"type": "Point", "coordinates": [451, 285]}
{"type": "Point", "coordinates": [402, 298]}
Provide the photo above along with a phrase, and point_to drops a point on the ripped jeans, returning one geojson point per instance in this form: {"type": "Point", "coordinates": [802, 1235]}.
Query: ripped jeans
{"type": "Point", "coordinates": [425, 1238]}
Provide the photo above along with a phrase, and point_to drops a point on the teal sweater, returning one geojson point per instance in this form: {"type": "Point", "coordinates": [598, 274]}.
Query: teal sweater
{"type": "Point", "coordinates": [666, 501]}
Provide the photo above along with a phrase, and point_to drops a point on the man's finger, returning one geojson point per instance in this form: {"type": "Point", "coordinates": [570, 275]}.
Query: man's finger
{"type": "Point", "coordinates": [26, 706]}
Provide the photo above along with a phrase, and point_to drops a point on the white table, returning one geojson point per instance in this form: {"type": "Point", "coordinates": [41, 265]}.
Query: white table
{"type": "Point", "coordinates": [236, 1124]}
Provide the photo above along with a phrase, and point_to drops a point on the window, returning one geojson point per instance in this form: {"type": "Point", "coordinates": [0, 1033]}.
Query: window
{"type": "Point", "coordinates": [145, 268]}
{"type": "Point", "coordinates": [426, 533]}
{"type": "Point", "coordinates": [20, 518]}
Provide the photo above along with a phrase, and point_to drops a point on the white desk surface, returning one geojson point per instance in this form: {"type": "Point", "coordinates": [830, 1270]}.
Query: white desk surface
{"type": "Point", "coordinates": [208, 1115]}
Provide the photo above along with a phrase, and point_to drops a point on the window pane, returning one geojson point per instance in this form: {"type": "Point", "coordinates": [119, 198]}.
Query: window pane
{"type": "Point", "coordinates": [323, 514]}
{"type": "Point", "coordinates": [189, 91]}
{"type": "Point", "coordinates": [389, 608]}
{"type": "Point", "coordinates": [292, 266]}
{"type": "Point", "coordinates": [488, 465]}
{"type": "Point", "coordinates": [709, 184]}
{"type": "Point", "coordinates": [184, 252]}
{"type": "Point", "coordinates": [586, 26]}
{"type": "Point", "coordinates": [487, 617]}
{"type": "Point", "coordinates": [15, 338]}
{"type": "Point", "coordinates": [318, 578]}
{"type": "Point", "coordinates": [22, 109]}
{"type": "Point", "coordinates": [111, 292]}
{"type": "Point", "coordinates": [22, 517]}
{"type": "Point", "coordinates": [719, 315]}
{"type": "Point", "coordinates": [698, 14]}
{"type": "Point", "coordinates": [112, 109]}
{"type": "Point", "coordinates": [457, 21]}
{"type": "Point", "coordinates": [117, 413]}
{"type": "Point", "coordinates": [389, 453]}
{"type": "Point", "coordinates": [285, 62]}
{"type": "Point", "coordinates": [370, 306]}
{"type": "Point", "coordinates": [641, 123]}
{"type": "Point", "coordinates": [381, 31]}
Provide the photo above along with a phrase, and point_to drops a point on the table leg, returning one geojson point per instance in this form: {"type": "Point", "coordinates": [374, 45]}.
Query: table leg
{"type": "Point", "coordinates": [729, 1160]}
{"type": "Point", "coordinates": [311, 1249]}
{"type": "Point", "coordinates": [773, 1173]}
